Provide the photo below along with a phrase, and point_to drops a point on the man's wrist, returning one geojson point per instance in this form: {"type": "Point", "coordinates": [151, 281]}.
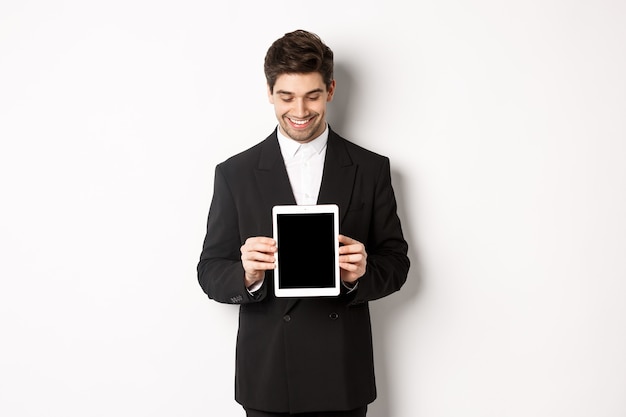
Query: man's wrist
{"type": "Point", "coordinates": [350, 286]}
{"type": "Point", "coordinates": [255, 286]}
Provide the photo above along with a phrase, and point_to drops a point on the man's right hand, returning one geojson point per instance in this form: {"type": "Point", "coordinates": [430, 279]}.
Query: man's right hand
{"type": "Point", "coordinates": [257, 256]}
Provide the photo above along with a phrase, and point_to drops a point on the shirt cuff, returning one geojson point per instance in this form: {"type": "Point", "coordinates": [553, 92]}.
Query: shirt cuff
{"type": "Point", "coordinates": [255, 287]}
{"type": "Point", "coordinates": [350, 287]}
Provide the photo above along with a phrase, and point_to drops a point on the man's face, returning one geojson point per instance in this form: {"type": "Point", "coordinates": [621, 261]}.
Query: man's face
{"type": "Point", "coordinates": [300, 104]}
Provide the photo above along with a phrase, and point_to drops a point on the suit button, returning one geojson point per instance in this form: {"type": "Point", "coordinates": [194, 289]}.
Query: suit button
{"type": "Point", "coordinates": [333, 316]}
{"type": "Point", "coordinates": [287, 318]}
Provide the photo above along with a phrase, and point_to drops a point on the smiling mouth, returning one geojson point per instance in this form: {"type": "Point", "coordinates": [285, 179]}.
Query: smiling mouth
{"type": "Point", "coordinates": [299, 124]}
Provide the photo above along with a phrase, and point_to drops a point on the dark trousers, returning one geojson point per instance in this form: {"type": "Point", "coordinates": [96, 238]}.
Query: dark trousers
{"type": "Point", "coordinates": [359, 412]}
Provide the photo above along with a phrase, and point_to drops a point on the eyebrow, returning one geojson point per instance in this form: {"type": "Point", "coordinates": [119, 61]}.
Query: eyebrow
{"type": "Point", "coordinates": [316, 91]}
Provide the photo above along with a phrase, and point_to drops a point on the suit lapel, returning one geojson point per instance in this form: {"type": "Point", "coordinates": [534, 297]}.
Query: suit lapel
{"type": "Point", "coordinates": [338, 177]}
{"type": "Point", "coordinates": [271, 175]}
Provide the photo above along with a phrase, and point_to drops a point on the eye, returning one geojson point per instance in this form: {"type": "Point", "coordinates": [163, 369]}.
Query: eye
{"type": "Point", "coordinates": [314, 98]}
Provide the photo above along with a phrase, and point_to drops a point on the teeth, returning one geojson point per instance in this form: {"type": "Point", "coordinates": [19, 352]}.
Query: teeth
{"type": "Point", "coordinates": [299, 122]}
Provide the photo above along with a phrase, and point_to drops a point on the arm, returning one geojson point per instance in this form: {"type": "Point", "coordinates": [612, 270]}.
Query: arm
{"type": "Point", "coordinates": [386, 260]}
{"type": "Point", "coordinates": [222, 268]}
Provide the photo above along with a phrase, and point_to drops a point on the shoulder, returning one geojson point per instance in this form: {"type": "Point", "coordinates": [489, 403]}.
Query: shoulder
{"type": "Point", "coordinates": [250, 157]}
{"type": "Point", "coordinates": [356, 153]}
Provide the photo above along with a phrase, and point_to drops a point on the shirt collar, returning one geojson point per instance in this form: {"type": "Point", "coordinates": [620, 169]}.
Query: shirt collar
{"type": "Point", "coordinates": [289, 147]}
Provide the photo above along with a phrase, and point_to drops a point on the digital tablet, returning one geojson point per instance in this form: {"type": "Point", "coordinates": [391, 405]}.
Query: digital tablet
{"type": "Point", "coordinates": [307, 258]}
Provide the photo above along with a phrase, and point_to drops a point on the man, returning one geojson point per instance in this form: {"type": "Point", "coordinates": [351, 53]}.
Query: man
{"type": "Point", "coordinates": [302, 355]}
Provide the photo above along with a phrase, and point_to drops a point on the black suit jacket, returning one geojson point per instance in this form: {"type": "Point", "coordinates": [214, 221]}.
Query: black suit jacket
{"type": "Point", "coordinates": [307, 354]}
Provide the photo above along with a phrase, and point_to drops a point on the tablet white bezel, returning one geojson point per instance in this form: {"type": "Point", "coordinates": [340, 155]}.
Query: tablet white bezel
{"type": "Point", "coordinates": [307, 292]}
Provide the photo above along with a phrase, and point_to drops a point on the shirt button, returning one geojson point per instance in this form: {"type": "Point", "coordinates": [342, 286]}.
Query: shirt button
{"type": "Point", "coordinates": [287, 318]}
{"type": "Point", "coordinates": [333, 316]}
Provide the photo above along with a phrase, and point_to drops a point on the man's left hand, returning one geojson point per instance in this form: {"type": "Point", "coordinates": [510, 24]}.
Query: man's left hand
{"type": "Point", "coordinates": [352, 259]}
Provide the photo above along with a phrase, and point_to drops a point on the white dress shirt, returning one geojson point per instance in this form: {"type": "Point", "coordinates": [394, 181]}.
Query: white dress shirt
{"type": "Point", "coordinates": [305, 165]}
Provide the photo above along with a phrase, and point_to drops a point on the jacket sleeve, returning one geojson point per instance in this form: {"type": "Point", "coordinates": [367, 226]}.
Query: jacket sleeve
{"type": "Point", "coordinates": [387, 260]}
{"type": "Point", "coordinates": [220, 271]}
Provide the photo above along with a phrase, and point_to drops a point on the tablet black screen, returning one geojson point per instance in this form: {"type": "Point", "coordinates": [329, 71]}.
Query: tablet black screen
{"type": "Point", "coordinates": [306, 252]}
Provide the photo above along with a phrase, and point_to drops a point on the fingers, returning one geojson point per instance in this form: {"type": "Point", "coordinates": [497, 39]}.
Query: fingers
{"type": "Point", "coordinates": [258, 250]}
{"type": "Point", "coordinates": [259, 244]}
{"type": "Point", "coordinates": [352, 259]}
{"type": "Point", "coordinates": [257, 256]}
{"type": "Point", "coordinates": [351, 246]}
{"type": "Point", "coordinates": [252, 265]}
{"type": "Point", "coordinates": [348, 267]}
{"type": "Point", "coordinates": [351, 272]}
{"type": "Point", "coordinates": [345, 240]}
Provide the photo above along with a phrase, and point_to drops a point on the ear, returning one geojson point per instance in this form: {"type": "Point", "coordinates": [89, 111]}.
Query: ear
{"type": "Point", "coordinates": [270, 96]}
{"type": "Point", "coordinates": [331, 91]}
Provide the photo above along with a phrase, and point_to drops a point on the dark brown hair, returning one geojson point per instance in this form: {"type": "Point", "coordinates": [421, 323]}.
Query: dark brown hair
{"type": "Point", "coordinates": [298, 52]}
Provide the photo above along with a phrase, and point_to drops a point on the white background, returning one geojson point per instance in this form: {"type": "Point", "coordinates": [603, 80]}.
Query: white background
{"type": "Point", "coordinates": [504, 122]}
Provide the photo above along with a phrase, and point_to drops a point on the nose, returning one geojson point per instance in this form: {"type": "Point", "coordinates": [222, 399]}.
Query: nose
{"type": "Point", "coordinates": [299, 109]}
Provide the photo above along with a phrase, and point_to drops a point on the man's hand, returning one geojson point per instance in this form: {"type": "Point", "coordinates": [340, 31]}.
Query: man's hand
{"type": "Point", "coordinates": [352, 259]}
{"type": "Point", "coordinates": [257, 256]}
